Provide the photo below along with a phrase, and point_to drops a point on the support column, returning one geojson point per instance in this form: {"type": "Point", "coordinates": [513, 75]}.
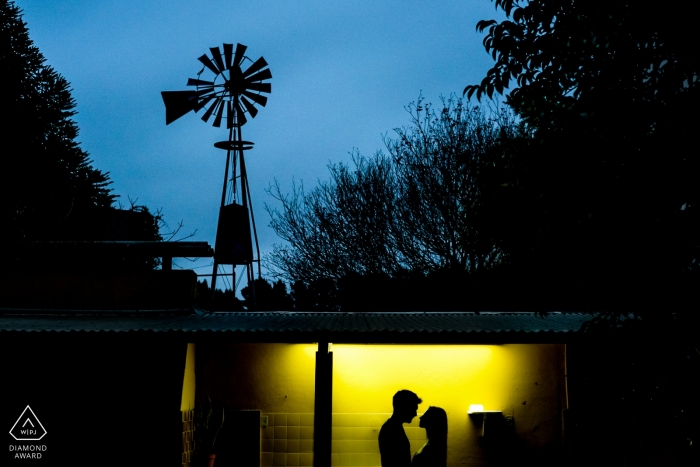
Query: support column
{"type": "Point", "coordinates": [323, 405]}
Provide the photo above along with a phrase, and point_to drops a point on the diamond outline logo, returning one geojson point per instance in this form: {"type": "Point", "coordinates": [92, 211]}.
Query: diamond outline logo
{"type": "Point", "coordinates": [28, 419]}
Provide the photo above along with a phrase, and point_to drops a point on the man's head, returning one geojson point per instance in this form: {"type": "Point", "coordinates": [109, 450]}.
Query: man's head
{"type": "Point", "coordinates": [406, 405]}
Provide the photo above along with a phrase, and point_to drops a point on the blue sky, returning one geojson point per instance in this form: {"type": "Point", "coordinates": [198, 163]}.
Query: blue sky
{"type": "Point", "coordinates": [342, 74]}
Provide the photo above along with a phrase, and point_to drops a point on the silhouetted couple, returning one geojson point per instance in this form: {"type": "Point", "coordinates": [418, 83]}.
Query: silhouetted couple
{"type": "Point", "coordinates": [394, 446]}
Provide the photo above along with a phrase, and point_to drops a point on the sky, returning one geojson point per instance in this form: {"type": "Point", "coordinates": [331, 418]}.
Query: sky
{"type": "Point", "coordinates": [343, 73]}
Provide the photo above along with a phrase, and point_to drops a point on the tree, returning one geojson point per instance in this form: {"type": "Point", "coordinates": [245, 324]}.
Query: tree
{"type": "Point", "coordinates": [607, 203]}
{"type": "Point", "coordinates": [268, 297]}
{"type": "Point", "coordinates": [223, 300]}
{"type": "Point", "coordinates": [419, 208]}
{"type": "Point", "coordinates": [603, 194]}
{"type": "Point", "coordinates": [582, 58]}
{"type": "Point", "coordinates": [51, 191]}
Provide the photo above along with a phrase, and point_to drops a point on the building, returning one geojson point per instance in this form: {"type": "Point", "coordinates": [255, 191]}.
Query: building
{"type": "Point", "coordinates": [295, 389]}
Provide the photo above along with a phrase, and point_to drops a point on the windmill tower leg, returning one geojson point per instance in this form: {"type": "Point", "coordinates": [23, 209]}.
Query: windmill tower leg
{"type": "Point", "coordinates": [234, 90]}
{"type": "Point", "coordinates": [236, 230]}
{"type": "Point", "coordinates": [245, 197]}
{"type": "Point", "coordinates": [215, 270]}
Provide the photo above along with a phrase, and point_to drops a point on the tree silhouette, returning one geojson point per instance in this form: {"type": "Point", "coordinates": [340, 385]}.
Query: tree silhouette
{"type": "Point", "coordinates": [51, 190]}
{"type": "Point", "coordinates": [223, 300]}
{"type": "Point", "coordinates": [603, 199]}
{"type": "Point", "coordinates": [316, 295]}
{"type": "Point", "coordinates": [607, 206]}
{"type": "Point", "coordinates": [418, 208]}
{"type": "Point", "coordinates": [268, 297]}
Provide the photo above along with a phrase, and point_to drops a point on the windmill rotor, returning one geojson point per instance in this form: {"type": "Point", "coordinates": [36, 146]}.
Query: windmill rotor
{"type": "Point", "coordinates": [230, 92]}
{"type": "Point", "coordinates": [226, 88]}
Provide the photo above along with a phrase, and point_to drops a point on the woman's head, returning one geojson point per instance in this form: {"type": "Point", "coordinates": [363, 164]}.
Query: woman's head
{"type": "Point", "coordinates": [434, 420]}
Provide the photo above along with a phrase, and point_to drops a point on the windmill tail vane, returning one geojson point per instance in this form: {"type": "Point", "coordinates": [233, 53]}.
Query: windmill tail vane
{"type": "Point", "coordinates": [230, 91]}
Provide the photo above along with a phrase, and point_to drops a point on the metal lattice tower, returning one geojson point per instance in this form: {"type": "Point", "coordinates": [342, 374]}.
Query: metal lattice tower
{"type": "Point", "coordinates": [229, 93]}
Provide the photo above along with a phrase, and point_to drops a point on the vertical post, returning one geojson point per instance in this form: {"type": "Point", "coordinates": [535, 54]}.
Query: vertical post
{"type": "Point", "coordinates": [323, 405]}
{"type": "Point", "coordinates": [568, 420]}
{"type": "Point", "coordinates": [255, 232]}
{"type": "Point", "coordinates": [245, 201]}
{"type": "Point", "coordinates": [223, 203]}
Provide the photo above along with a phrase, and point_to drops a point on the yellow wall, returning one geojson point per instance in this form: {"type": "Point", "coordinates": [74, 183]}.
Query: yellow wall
{"type": "Point", "coordinates": [188, 383]}
{"type": "Point", "coordinates": [275, 378]}
{"type": "Point", "coordinates": [524, 381]}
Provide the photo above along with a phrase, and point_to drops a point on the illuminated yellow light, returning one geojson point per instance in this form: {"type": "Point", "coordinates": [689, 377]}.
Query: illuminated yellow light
{"type": "Point", "coordinates": [275, 378]}
{"type": "Point", "coordinates": [523, 381]}
{"type": "Point", "coordinates": [365, 377]}
{"type": "Point", "coordinates": [188, 382]}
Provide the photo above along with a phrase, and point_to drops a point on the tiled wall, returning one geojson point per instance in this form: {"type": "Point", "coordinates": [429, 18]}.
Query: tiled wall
{"type": "Point", "coordinates": [355, 438]}
{"type": "Point", "coordinates": [187, 437]}
{"type": "Point", "coordinates": [288, 440]}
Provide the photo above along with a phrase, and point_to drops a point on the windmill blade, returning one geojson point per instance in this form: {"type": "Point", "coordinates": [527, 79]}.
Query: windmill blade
{"type": "Point", "coordinates": [209, 64]}
{"type": "Point", "coordinates": [202, 102]}
{"type": "Point", "coordinates": [240, 50]}
{"type": "Point", "coordinates": [228, 55]}
{"type": "Point", "coordinates": [249, 107]}
{"type": "Point", "coordinates": [238, 94]}
{"type": "Point", "coordinates": [219, 114]}
{"type": "Point", "coordinates": [216, 54]}
{"type": "Point", "coordinates": [203, 92]}
{"type": "Point", "coordinates": [210, 110]}
{"type": "Point", "coordinates": [257, 98]}
{"type": "Point", "coordinates": [177, 104]}
{"type": "Point", "coordinates": [240, 115]}
{"type": "Point", "coordinates": [265, 74]}
{"type": "Point", "coordinates": [262, 87]}
{"type": "Point", "coordinates": [199, 82]}
{"type": "Point", "coordinates": [258, 65]}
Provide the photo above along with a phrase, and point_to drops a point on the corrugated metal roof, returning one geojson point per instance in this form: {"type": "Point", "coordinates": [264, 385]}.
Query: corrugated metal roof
{"type": "Point", "coordinates": [311, 327]}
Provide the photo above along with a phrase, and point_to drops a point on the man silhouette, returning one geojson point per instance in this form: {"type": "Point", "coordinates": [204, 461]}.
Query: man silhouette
{"type": "Point", "coordinates": [394, 448]}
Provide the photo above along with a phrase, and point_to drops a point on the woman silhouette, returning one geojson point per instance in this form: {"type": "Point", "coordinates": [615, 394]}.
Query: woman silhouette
{"type": "Point", "coordinates": [434, 451]}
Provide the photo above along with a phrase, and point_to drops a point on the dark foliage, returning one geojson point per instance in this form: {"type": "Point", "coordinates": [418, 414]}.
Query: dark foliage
{"type": "Point", "coordinates": [51, 190]}
{"type": "Point", "coordinates": [268, 297]}
{"type": "Point", "coordinates": [603, 202]}
{"type": "Point", "coordinates": [223, 300]}
{"type": "Point", "coordinates": [645, 373]}
{"type": "Point", "coordinates": [316, 295]}
{"type": "Point", "coordinates": [602, 199]}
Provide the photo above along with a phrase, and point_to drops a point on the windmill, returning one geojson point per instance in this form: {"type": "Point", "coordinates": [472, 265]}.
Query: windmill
{"type": "Point", "coordinates": [228, 91]}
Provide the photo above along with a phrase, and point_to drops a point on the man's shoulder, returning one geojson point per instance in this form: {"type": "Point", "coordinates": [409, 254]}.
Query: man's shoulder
{"type": "Point", "coordinates": [383, 429]}
{"type": "Point", "coordinates": [390, 428]}
{"type": "Point", "coordinates": [390, 424]}
{"type": "Point", "coordinates": [394, 445]}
